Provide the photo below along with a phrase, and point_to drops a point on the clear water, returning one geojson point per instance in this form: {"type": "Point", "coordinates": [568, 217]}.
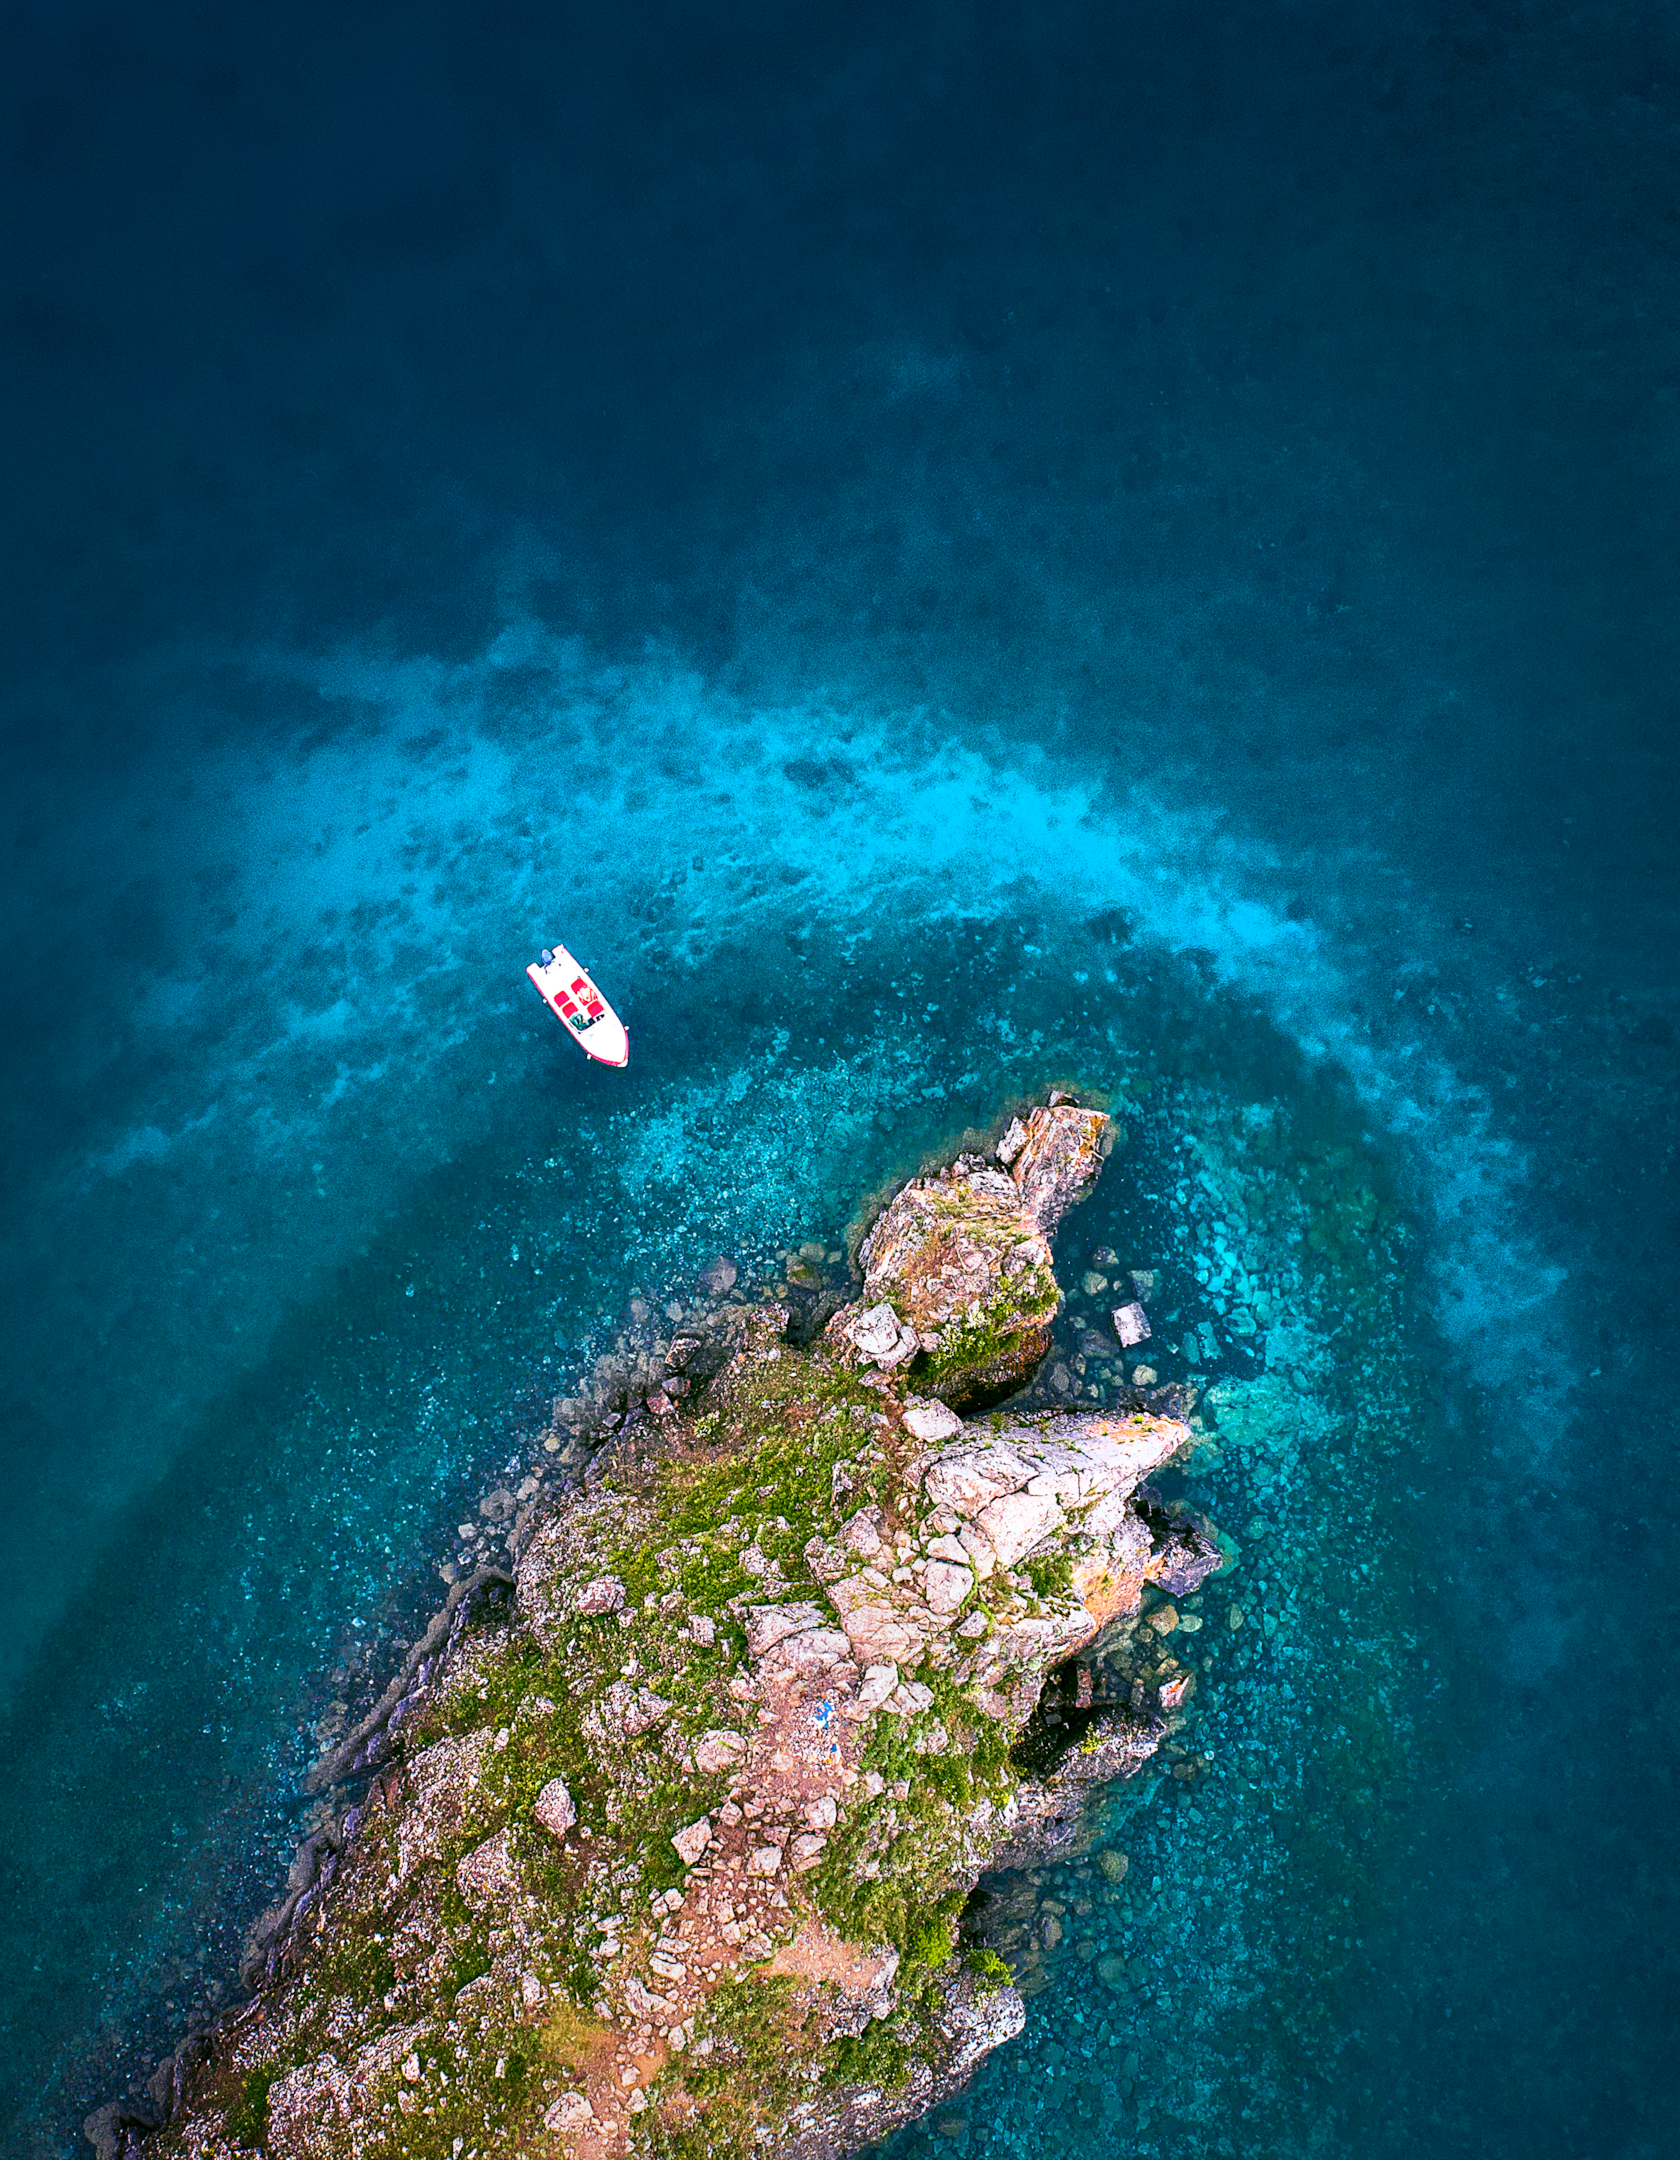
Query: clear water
{"type": "Point", "coordinates": [944, 553]}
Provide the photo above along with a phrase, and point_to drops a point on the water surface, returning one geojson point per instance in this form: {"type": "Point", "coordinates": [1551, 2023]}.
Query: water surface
{"type": "Point", "coordinates": [945, 554]}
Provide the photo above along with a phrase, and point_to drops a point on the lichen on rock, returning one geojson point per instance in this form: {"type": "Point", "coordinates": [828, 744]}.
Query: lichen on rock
{"type": "Point", "coordinates": [672, 1854]}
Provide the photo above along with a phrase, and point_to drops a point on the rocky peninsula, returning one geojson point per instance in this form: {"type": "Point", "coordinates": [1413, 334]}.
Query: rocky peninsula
{"type": "Point", "coordinates": [663, 1840]}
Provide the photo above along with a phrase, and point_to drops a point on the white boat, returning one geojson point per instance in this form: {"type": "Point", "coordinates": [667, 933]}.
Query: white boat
{"type": "Point", "coordinates": [564, 985]}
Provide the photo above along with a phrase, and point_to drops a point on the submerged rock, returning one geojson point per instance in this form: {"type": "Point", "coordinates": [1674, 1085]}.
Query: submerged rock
{"type": "Point", "coordinates": [653, 1857]}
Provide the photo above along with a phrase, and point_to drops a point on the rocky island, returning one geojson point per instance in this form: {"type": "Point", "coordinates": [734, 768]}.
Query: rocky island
{"type": "Point", "coordinates": [663, 1840]}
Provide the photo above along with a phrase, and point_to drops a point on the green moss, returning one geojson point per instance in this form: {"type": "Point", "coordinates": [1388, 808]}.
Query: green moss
{"type": "Point", "coordinates": [702, 2139]}
{"type": "Point", "coordinates": [469, 1960]}
{"type": "Point", "coordinates": [880, 2055]}
{"type": "Point", "coordinates": [929, 1941]}
{"type": "Point", "coordinates": [1051, 1575]}
{"type": "Point", "coordinates": [915, 1842]}
{"type": "Point", "coordinates": [973, 1765]}
{"type": "Point", "coordinates": [550, 1742]}
{"type": "Point", "coordinates": [1030, 1302]}
{"type": "Point", "coordinates": [751, 2016]}
{"type": "Point", "coordinates": [751, 2075]}
{"type": "Point", "coordinates": [474, 2107]}
{"type": "Point", "coordinates": [247, 2119]}
{"type": "Point", "coordinates": [787, 1422]}
{"type": "Point", "coordinates": [357, 1969]}
{"type": "Point", "coordinates": [887, 2049]}
{"type": "Point", "coordinates": [570, 2037]}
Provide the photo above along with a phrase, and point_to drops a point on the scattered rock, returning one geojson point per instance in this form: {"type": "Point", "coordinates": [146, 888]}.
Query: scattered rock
{"type": "Point", "coordinates": [767, 1625]}
{"type": "Point", "coordinates": [862, 1535]}
{"type": "Point", "coordinates": [486, 1874]}
{"type": "Point", "coordinates": [692, 1842]}
{"type": "Point", "coordinates": [1063, 1152]}
{"type": "Point", "coordinates": [571, 2112]}
{"type": "Point", "coordinates": [554, 1809]}
{"type": "Point", "coordinates": [1017, 1522]}
{"type": "Point", "coordinates": [811, 1650]}
{"type": "Point", "coordinates": [881, 1634]}
{"type": "Point", "coordinates": [624, 1712]}
{"type": "Point", "coordinates": [878, 1684]}
{"type": "Point", "coordinates": [718, 1750]}
{"type": "Point", "coordinates": [1131, 1324]}
{"type": "Point", "coordinates": [947, 1586]}
{"type": "Point", "coordinates": [1185, 1554]}
{"type": "Point", "coordinates": [1013, 1141]}
{"type": "Point", "coordinates": [719, 1277]}
{"type": "Point", "coordinates": [930, 1421]}
{"type": "Point", "coordinates": [602, 1594]}
{"type": "Point", "coordinates": [876, 1333]}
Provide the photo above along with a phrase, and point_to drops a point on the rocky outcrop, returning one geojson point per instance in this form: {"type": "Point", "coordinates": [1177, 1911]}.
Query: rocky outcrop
{"type": "Point", "coordinates": [675, 1841]}
{"type": "Point", "coordinates": [1060, 1151]}
{"type": "Point", "coordinates": [958, 1285]}
{"type": "Point", "coordinates": [972, 2021]}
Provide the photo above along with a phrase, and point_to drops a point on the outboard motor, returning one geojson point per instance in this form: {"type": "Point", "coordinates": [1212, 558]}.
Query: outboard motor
{"type": "Point", "coordinates": [547, 956]}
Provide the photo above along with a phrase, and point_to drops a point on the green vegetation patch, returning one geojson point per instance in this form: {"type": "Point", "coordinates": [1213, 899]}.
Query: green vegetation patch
{"type": "Point", "coordinates": [1027, 1303]}
{"type": "Point", "coordinates": [247, 2119]}
{"type": "Point", "coordinates": [786, 1423]}
{"type": "Point", "coordinates": [355, 1967]}
{"type": "Point", "coordinates": [989, 1969]}
{"type": "Point", "coordinates": [1051, 1575]}
{"type": "Point", "coordinates": [469, 1960]}
{"type": "Point", "coordinates": [752, 2076]}
{"type": "Point", "coordinates": [887, 2049]}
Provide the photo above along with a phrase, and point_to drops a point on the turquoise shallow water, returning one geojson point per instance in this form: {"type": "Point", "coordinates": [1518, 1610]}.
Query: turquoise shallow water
{"type": "Point", "coordinates": [947, 553]}
{"type": "Point", "coordinates": [798, 1059]}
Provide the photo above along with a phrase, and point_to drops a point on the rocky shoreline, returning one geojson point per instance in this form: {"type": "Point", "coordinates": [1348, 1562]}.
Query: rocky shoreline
{"type": "Point", "coordinates": [665, 1837]}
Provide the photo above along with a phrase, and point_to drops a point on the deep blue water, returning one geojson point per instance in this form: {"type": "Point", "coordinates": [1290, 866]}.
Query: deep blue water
{"type": "Point", "coordinates": [945, 550]}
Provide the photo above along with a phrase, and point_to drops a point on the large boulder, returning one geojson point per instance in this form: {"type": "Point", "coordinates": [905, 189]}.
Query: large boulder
{"type": "Point", "coordinates": [957, 1285]}
{"type": "Point", "coordinates": [1063, 1149]}
{"type": "Point", "coordinates": [1063, 1485]}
